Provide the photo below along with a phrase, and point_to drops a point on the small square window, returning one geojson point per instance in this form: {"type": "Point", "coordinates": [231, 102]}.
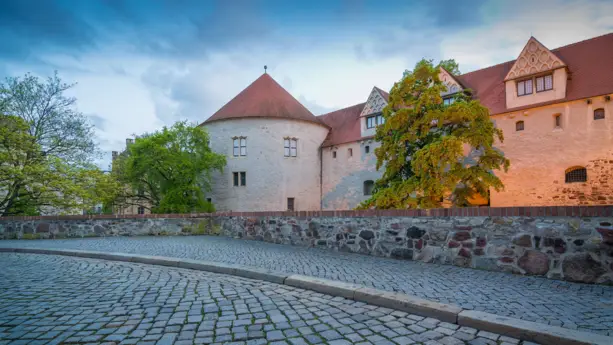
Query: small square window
{"type": "Point", "coordinates": [141, 210]}
{"type": "Point", "coordinates": [350, 151]}
{"type": "Point", "coordinates": [519, 125]}
{"type": "Point", "coordinates": [209, 200]}
{"type": "Point", "coordinates": [367, 149]}
{"type": "Point", "coordinates": [333, 154]}
{"type": "Point", "coordinates": [558, 120]}
{"type": "Point", "coordinates": [243, 178]}
{"type": "Point", "coordinates": [290, 204]}
{"type": "Point", "coordinates": [599, 114]}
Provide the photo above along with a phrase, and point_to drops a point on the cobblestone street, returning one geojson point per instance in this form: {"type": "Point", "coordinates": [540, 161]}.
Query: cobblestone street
{"type": "Point", "coordinates": [570, 305]}
{"type": "Point", "coordinates": [46, 299]}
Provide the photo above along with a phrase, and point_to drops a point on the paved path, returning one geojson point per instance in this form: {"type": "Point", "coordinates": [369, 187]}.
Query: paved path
{"type": "Point", "coordinates": [575, 306]}
{"type": "Point", "coordinates": [48, 299]}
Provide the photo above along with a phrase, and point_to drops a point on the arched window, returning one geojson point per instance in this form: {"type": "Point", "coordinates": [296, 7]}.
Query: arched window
{"type": "Point", "coordinates": [519, 125]}
{"type": "Point", "coordinates": [368, 187]}
{"type": "Point", "coordinates": [599, 114]}
{"type": "Point", "coordinates": [575, 174]}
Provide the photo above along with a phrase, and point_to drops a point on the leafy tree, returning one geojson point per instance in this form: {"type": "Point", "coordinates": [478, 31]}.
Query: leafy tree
{"type": "Point", "coordinates": [46, 148]}
{"type": "Point", "coordinates": [169, 170]}
{"type": "Point", "coordinates": [423, 145]}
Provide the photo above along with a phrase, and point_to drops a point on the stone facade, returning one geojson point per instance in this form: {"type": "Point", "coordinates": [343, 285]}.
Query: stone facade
{"type": "Point", "coordinates": [566, 246]}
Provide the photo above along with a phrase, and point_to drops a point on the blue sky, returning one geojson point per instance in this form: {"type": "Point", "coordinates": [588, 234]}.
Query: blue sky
{"type": "Point", "coordinates": [141, 64]}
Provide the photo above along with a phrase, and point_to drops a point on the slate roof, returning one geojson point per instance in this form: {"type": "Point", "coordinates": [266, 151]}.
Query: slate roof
{"type": "Point", "coordinates": [264, 98]}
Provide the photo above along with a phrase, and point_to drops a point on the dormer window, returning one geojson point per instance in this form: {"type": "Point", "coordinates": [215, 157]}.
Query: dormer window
{"type": "Point", "coordinates": [373, 121]}
{"type": "Point", "coordinates": [524, 87]}
{"type": "Point", "coordinates": [544, 83]}
{"type": "Point", "coordinates": [448, 100]}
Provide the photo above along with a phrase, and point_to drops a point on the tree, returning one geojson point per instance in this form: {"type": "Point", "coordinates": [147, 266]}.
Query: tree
{"type": "Point", "coordinates": [169, 170]}
{"type": "Point", "coordinates": [46, 151]}
{"type": "Point", "coordinates": [423, 145]}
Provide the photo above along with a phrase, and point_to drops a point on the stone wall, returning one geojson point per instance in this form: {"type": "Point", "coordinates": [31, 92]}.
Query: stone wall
{"type": "Point", "coordinates": [570, 243]}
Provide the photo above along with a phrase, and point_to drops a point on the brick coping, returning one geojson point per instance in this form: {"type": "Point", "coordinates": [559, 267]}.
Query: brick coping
{"type": "Point", "coordinates": [534, 211]}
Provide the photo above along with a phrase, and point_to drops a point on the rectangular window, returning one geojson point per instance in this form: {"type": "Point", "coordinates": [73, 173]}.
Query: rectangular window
{"type": "Point", "coordinates": [209, 199]}
{"type": "Point", "coordinates": [524, 87]}
{"type": "Point", "coordinates": [236, 144]}
{"type": "Point", "coordinates": [293, 147]}
{"type": "Point", "coordinates": [243, 146]}
{"type": "Point", "coordinates": [141, 210]}
{"type": "Point", "coordinates": [370, 122]}
{"type": "Point", "coordinates": [290, 204]}
{"type": "Point", "coordinates": [380, 120]}
{"type": "Point", "coordinates": [235, 177]}
{"type": "Point", "coordinates": [367, 149]}
{"type": "Point", "coordinates": [544, 83]}
{"type": "Point", "coordinates": [350, 152]}
{"type": "Point", "coordinates": [286, 147]}
{"type": "Point", "coordinates": [243, 178]}
{"type": "Point", "coordinates": [448, 101]}
{"type": "Point", "coordinates": [558, 120]}
{"type": "Point", "coordinates": [333, 154]}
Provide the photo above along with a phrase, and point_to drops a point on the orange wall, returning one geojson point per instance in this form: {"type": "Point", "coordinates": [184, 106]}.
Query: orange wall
{"type": "Point", "coordinates": [540, 154]}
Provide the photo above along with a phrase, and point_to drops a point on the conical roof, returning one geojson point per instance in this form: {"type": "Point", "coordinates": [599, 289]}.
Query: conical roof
{"type": "Point", "coordinates": [264, 98]}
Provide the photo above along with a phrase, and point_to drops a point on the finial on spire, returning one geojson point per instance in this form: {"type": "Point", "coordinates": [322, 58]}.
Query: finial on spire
{"type": "Point", "coordinates": [265, 67]}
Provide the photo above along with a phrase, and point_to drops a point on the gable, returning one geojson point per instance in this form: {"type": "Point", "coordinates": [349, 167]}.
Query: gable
{"type": "Point", "coordinates": [374, 104]}
{"type": "Point", "coordinates": [452, 84]}
{"type": "Point", "coordinates": [534, 58]}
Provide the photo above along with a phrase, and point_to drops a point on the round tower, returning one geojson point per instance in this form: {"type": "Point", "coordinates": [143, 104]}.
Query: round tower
{"type": "Point", "coordinates": [272, 144]}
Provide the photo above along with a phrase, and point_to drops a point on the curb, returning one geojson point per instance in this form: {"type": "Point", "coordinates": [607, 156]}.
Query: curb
{"type": "Point", "coordinates": [520, 329]}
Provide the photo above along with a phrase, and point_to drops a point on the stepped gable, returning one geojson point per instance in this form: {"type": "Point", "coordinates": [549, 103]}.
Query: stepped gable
{"type": "Point", "coordinates": [590, 67]}
{"type": "Point", "coordinates": [264, 98]}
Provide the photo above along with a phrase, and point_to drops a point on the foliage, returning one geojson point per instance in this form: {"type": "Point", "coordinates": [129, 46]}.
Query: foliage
{"type": "Point", "coordinates": [46, 150]}
{"type": "Point", "coordinates": [169, 170]}
{"type": "Point", "coordinates": [423, 145]}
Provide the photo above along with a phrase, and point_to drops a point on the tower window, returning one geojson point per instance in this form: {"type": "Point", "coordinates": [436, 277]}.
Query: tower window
{"type": "Point", "coordinates": [599, 114]}
{"type": "Point", "coordinates": [368, 187]}
{"type": "Point", "coordinates": [519, 125]}
{"type": "Point", "coordinates": [575, 174]}
{"type": "Point", "coordinates": [239, 146]}
{"type": "Point", "coordinates": [290, 146]}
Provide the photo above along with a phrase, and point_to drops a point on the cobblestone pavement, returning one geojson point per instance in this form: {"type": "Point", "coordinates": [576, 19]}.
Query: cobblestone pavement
{"type": "Point", "coordinates": [48, 299]}
{"type": "Point", "coordinates": [570, 305]}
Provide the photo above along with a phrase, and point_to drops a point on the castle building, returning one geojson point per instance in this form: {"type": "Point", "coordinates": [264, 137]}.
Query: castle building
{"type": "Point", "coordinates": [554, 107]}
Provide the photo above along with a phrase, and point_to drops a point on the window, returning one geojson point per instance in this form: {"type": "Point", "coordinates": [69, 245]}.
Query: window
{"type": "Point", "coordinates": [209, 200]}
{"type": "Point", "coordinates": [558, 120]}
{"type": "Point", "coordinates": [290, 147]}
{"type": "Point", "coordinates": [519, 125]}
{"type": "Point", "coordinates": [350, 151]}
{"type": "Point", "coordinates": [373, 121]}
{"type": "Point", "coordinates": [368, 187]}
{"type": "Point", "coordinates": [290, 204]}
{"type": "Point", "coordinates": [599, 114]}
{"type": "Point", "coordinates": [448, 100]}
{"type": "Point", "coordinates": [367, 149]}
{"type": "Point", "coordinates": [333, 154]}
{"type": "Point", "coordinates": [239, 146]}
{"type": "Point", "coordinates": [575, 174]}
{"type": "Point", "coordinates": [544, 83]}
{"type": "Point", "coordinates": [240, 178]}
{"type": "Point", "coordinates": [524, 87]}
{"type": "Point", "coordinates": [141, 210]}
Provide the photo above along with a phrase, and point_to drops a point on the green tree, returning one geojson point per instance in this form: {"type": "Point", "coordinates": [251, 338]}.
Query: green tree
{"type": "Point", "coordinates": [423, 145]}
{"type": "Point", "coordinates": [46, 151]}
{"type": "Point", "coordinates": [169, 170]}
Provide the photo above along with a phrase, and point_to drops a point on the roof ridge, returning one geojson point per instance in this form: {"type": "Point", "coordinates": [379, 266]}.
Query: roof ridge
{"type": "Point", "coordinates": [558, 48]}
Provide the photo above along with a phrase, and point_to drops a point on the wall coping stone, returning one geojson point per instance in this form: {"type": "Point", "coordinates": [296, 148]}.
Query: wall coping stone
{"type": "Point", "coordinates": [534, 211]}
{"type": "Point", "coordinates": [520, 329]}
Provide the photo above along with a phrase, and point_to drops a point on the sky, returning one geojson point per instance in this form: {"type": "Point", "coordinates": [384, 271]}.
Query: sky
{"type": "Point", "coordinates": [141, 64]}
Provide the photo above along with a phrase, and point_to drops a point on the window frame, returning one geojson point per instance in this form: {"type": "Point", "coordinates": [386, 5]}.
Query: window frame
{"type": "Point", "coordinates": [243, 145]}
{"type": "Point", "coordinates": [291, 201]}
{"type": "Point", "coordinates": [350, 151]}
{"type": "Point", "coordinates": [367, 149]}
{"type": "Point", "coordinates": [557, 120]}
{"type": "Point", "coordinates": [370, 119]}
{"type": "Point", "coordinates": [535, 84]}
{"type": "Point", "coordinates": [599, 110]}
{"type": "Point", "coordinates": [140, 210]}
{"type": "Point", "coordinates": [235, 179]}
{"type": "Point", "coordinates": [243, 178]}
{"type": "Point", "coordinates": [366, 183]}
{"type": "Point", "coordinates": [333, 154]}
{"type": "Point", "coordinates": [581, 173]}
{"type": "Point", "coordinates": [519, 124]}
{"type": "Point", "coordinates": [447, 101]}
{"type": "Point", "coordinates": [523, 83]}
{"type": "Point", "coordinates": [236, 147]}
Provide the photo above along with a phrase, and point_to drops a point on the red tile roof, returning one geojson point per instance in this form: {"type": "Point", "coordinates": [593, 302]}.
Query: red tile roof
{"type": "Point", "coordinates": [264, 98]}
{"type": "Point", "coordinates": [344, 125]}
{"type": "Point", "coordinates": [590, 66]}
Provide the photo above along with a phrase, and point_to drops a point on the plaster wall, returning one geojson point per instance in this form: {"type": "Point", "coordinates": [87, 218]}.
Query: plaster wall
{"type": "Point", "coordinates": [271, 177]}
{"type": "Point", "coordinates": [344, 176]}
{"type": "Point", "coordinates": [541, 154]}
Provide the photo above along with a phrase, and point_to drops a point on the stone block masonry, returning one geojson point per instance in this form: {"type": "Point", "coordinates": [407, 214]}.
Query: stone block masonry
{"type": "Point", "coordinates": [568, 243]}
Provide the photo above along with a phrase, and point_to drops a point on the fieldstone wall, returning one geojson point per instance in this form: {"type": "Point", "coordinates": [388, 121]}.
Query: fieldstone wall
{"type": "Point", "coordinates": [575, 246]}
